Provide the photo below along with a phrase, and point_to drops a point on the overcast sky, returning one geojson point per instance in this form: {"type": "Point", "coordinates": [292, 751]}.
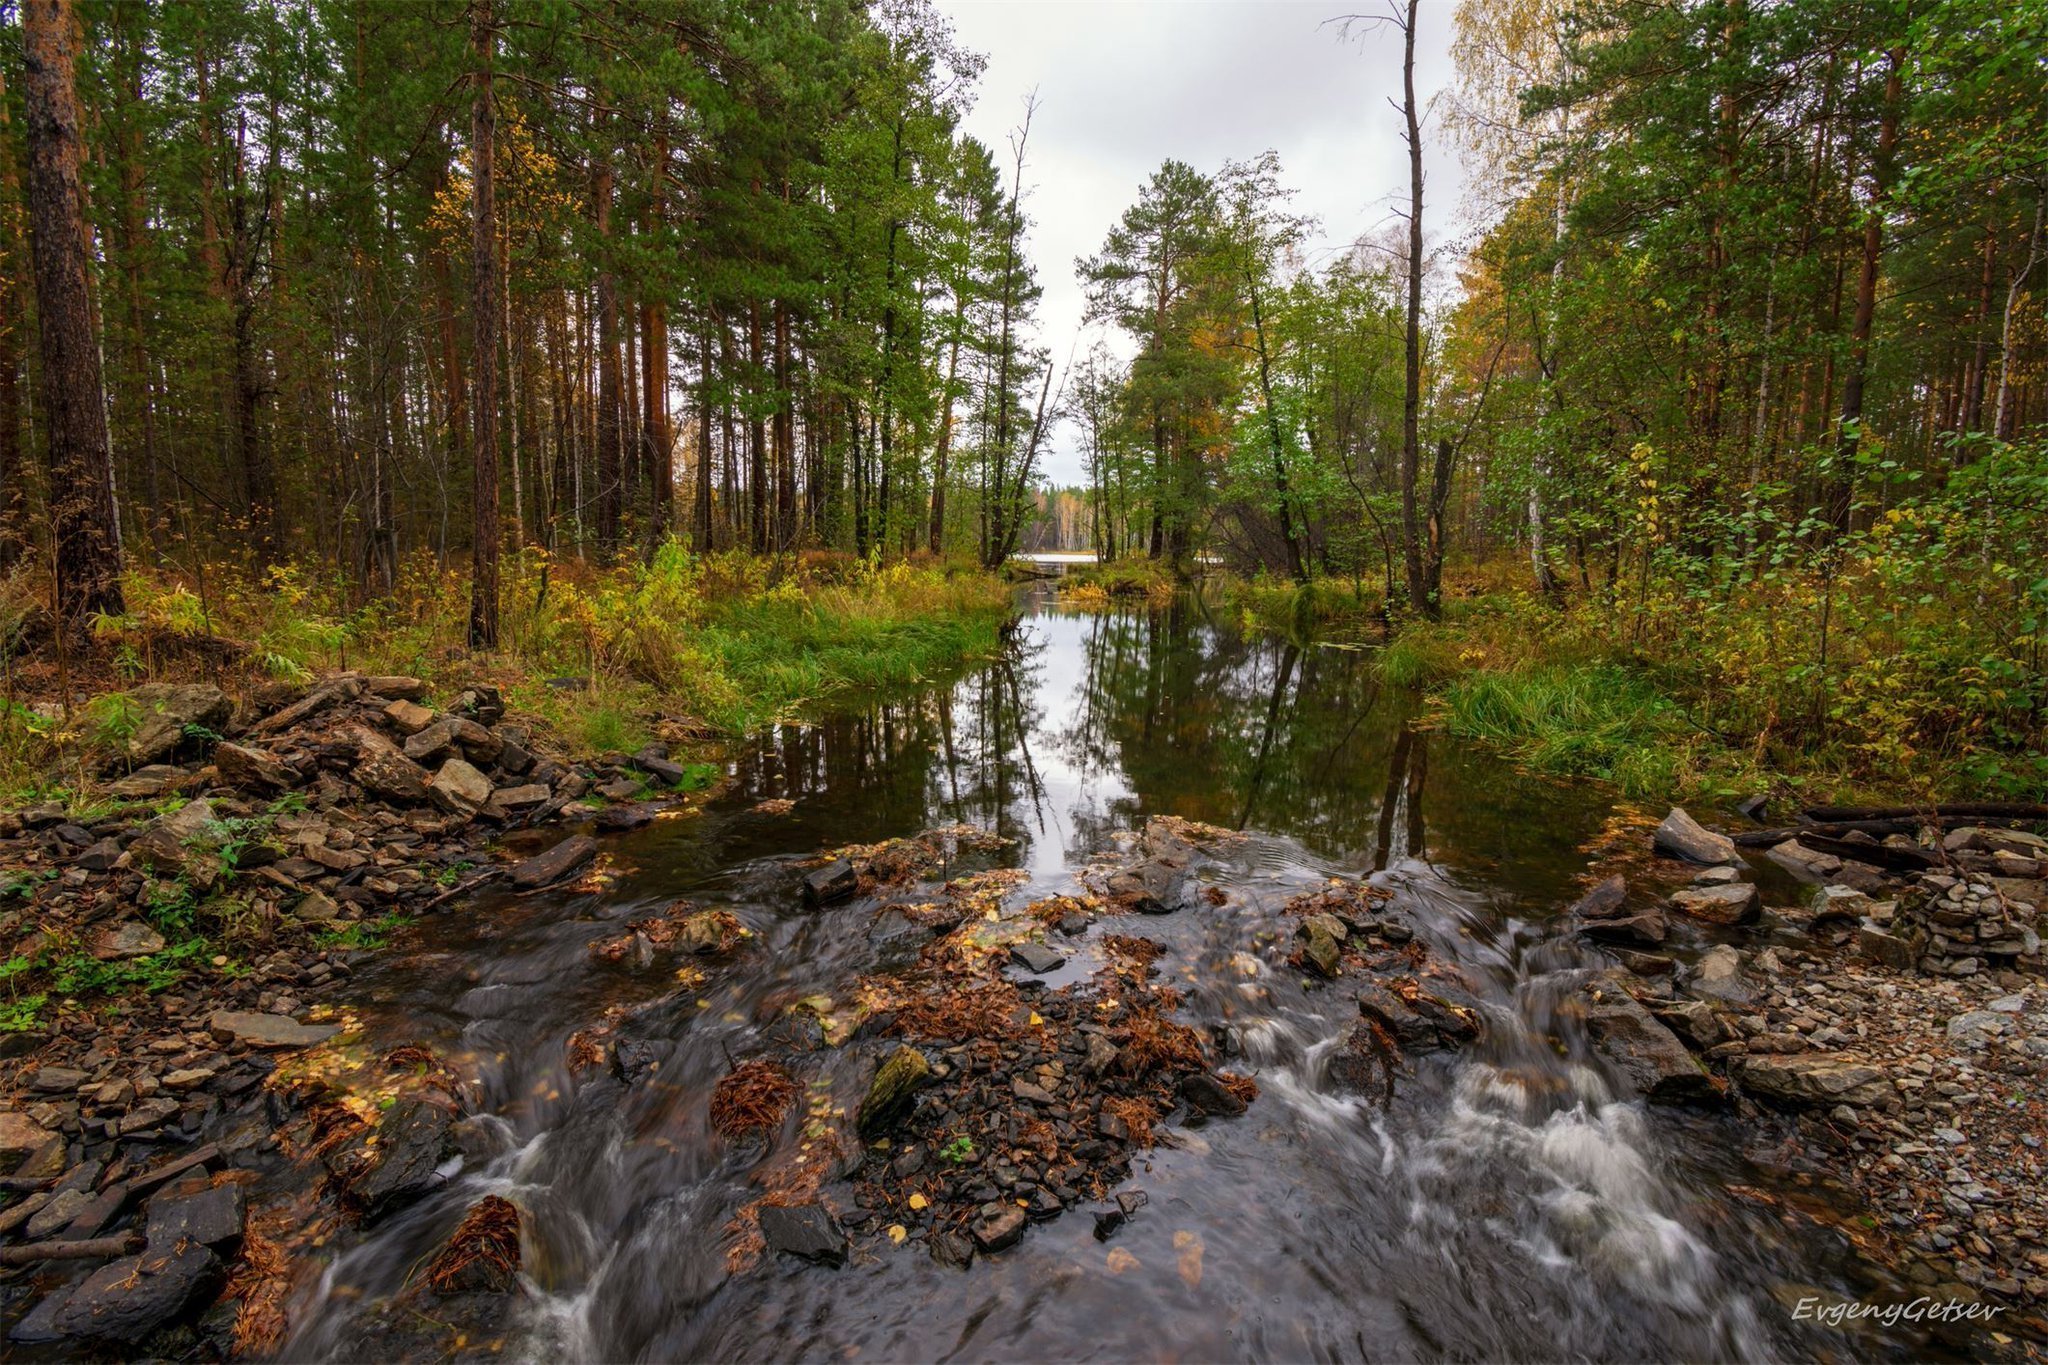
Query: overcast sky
{"type": "Point", "coordinates": [1124, 84]}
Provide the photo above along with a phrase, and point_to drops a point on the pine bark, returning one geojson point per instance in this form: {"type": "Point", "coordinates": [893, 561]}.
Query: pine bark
{"type": "Point", "coordinates": [484, 312]}
{"type": "Point", "coordinates": [86, 550]}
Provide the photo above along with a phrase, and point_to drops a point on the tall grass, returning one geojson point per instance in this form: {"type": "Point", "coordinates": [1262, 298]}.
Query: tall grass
{"type": "Point", "coordinates": [1587, 720]}
{"type": "Point", "coordinates": [732, 641]}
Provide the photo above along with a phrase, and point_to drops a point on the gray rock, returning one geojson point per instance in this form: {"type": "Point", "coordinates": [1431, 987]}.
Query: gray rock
{"type": "Point", "coordinates": [148, 783]}
{"type": "Point", "coordinates": [170, 714]}
{"type": "Point", "coordinates": [459, 788]}
{"type": "Point", "coordinates": [413, 1138]}
{"type": "Point", "coordinates": [408, 717]}
{"type": "Point", "coordinates": [1804, 863]}
{"type": "Point", "coordinates": [1648, 929]}
{"type": "Point", "coordinates": [1681, 836]}
{"type": "Point", "coordinates": [1813, 1079]}
{"type": "Point", "coordinates": [1036, 957]}
{"type": "Point", "coordinates": [129, 938]}
{"type": "Point", "coordinates": [266, 1031]}
{"type": "Point", "coordinates": [807, 1232]}
{"type": "Point", "coordinates": [1979, 1023]}
{"type": "Point", "coordinates": [1879, 944]}
{"type": "Point", "coordinates": [128, 1300]}
{"type": "Point", "coordinates": [1647, 1053]}
{"type": "Point", "coordinates": [20, 1138]}
{"type": "Point", "coordinates": [1734, 903]}
{"type": "Point", "coordinates": [833, 882]}
{"type": "Point", "coordinates": [252, 770]}
{"type": "Point", "coordinates": [544, 869]}
{"type": "Point", "coordinates": [210, 1217]}
{"type": "Point", "coordinates": [1207, 1095]}
{"type": "Point", "coordinates": [1719, 976]}
{"type": "Point", "coordinates": [997, 1227]}
{"type": "Point", "coordinates": [394, 777]}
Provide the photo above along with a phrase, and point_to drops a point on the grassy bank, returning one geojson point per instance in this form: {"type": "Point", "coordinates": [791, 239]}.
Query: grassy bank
{"type": "Point", "coordinates": [595, 654]}
{"type": "Point", "coordinates": [1895, 669]}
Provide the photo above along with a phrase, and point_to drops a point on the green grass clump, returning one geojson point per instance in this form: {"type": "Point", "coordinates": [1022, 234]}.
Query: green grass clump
{"type": "Point", "coordinates": [1594, 720]}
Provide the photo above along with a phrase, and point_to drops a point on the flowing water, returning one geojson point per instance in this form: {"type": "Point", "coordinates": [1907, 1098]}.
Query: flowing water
{"type": "Point", "coordinates": [1510, 1202]}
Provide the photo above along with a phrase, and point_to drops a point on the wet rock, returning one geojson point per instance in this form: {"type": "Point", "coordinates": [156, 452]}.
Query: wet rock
{"type": "Point", "coordinates": [127, 1301]}
{"type": "Point", "coordinates": [1205, 1094]}
{"type": "Point", "coordinates": [1604, 902]}
{"type": "Point", "coordinates": [701, 934]}
{"type": "Point", "coordinates": [1809, 1079]}
{"type": "Point", "coordinates": [413, 1138]}
{"type": "Point", "coordinates": [952, 1249]}
{"type": "Point", "coordinates": [1808, 865]}
{"type": "Point", "coordinates": [1647, 1053]}
{"type": "Point", "coordinates": [1648, 929]}
{"type": "Point", "coordinates": [807, 1232]}
{"type": "Point", "coordinates": [266, 1031]}
{"type": "Point", "coordinates": [654, 761]}
{"type": "Point", "coordinates": [833, 882]}
{"type": "Point", "coordinates": [1735, 903]}
{"type": "Point", "coordinates": [1036, 957]}
{"type": "Point", "coordinates": [210, 1218]}
{"type": "Point", "coordinates": [1681, 836]}
{"type": "Point", "coordinates": [545, 869]}
{"type": "Point", "coordinates": [459, 788]}
{"type": "Point", "coordinates": [252, 769]}
{"type": "Point", "coordinates": [998, 1227]}
{"type": "Point", "coordinates": [1719, 976]}
{"type": "Point", "coordinates": [1692, 1020]}
{"type": "Point", "coordinates": [1323, 950]}
{"type": "Point", "coordinates": [897, 1080]}
{"type": "Point", "coordinates": [394, 777]}
{"type": "Point", "coordinates": [130, 938]}
{"type": "Point", "coordinates": [171, 714]}
{"type": "Point", "coordinates": [1100, 1056]}
{"type": "Point", "coordinates": [621, 818]}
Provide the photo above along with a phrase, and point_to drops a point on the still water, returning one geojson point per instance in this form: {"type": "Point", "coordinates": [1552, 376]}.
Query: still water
{"type": "Point", "coordinates": [1510, 1202]}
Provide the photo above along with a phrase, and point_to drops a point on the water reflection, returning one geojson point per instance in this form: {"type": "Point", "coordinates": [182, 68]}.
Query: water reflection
{"type": "Point", "coordinates": [1092, 722]}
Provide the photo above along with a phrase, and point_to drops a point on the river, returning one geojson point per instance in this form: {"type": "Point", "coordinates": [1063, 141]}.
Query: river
{"type": "Point", "coordinates": [1510, 1202]}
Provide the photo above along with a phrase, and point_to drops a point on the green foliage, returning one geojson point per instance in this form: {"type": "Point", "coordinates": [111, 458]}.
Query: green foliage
{"type": "Point", "coordinates": [81, 974]}
{"type": "Point", "coordinates": [23, 1013]}
{"type": "Point", "coordinates": [1588, 721]}
{"type": "Point", "coordinates": [363, 934]}
{"type": "Point", "coordinates": [959, 1151]}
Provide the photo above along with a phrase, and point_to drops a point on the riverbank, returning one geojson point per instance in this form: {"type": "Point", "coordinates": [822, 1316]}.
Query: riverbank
{"type": "Point", "coordinates": [597, 658]}
{"type": "Point", "coordinates": [1865, 683]}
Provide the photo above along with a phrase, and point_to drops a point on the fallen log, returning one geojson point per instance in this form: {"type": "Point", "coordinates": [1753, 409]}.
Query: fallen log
{"type": "Point", "coordinates": [2010, 810]}
{"type": "Point", "coordinates": [127, 1244]}
{"type": "Point", "coordinates": [1765, 838]}
{"type": "Point", "coordinates": [1876, 855]}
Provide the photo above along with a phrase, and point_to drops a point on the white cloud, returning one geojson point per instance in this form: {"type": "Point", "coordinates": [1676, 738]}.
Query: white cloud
{"type": "Point", "coordinates": [1124, 84]}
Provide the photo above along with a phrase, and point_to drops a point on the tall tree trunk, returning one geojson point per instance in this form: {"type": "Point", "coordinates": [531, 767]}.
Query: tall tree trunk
{"type": "Point", "coordinates": [945, 442]}
{"type": "Point", "coordinates": [1842, 480]}
{"type": "Point", "coordinates": [700, 512]}
{"type": "Point", "coordinates": [484, 306]}
{"type": "Point", "coordinates": [1419, 597]}
{"type": "Point", "coordinates": [757, 437]}
{"type": "Point", "coordinates": [2005, 417]}
{"type": "Point", "coordinates": [13, 471]}
{"type": "Point", "coordinates": [610, 455]}
{"type": "Point", "coordinates": [784, 433]}
{"type": "Point", "coordinates": [86, 544]}
{"type": "Point", "coordinates": [1972, 410]}
{"type": "Point", "coordinates": [660, 443]}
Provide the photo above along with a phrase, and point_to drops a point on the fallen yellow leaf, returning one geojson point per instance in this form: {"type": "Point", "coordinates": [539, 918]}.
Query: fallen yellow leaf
{"type": "Point", "coordinates": [1121, 1260]}
{"type": "Point", "coordinates": [897, 1232]}
{"type": "Point", "coordinates": [918, 1201]}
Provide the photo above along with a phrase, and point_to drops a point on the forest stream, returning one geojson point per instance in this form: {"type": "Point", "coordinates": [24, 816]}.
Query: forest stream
{"type": "Point", "coordinates": [1510, 1200]}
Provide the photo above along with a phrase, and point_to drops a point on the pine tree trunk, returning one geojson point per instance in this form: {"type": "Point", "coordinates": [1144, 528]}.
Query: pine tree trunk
{"type": "Point", "coordinates": [1419, 597]}
{"type": "Point", "coordinates": [13, 473]}
{"type": "Point", "coordinates": [86, 547]}
{"type": "Point", "coordinates": [1842, 482]}
{"type": "Point", "coordinates": [660, 455]}
{"type": "Point", "coordinates": [484, 306]}
{"type": "Point", "coordinates": [609, 452]}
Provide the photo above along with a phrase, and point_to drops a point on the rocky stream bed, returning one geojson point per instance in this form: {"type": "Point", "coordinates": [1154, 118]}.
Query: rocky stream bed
{"type": "Point", "coordinates": [922, 1046]}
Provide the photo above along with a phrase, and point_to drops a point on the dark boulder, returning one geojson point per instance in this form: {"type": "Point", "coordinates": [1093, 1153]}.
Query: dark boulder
{"type": "Point", "coordinates": [128, 1300]}
{"type": "Point", "coordinates": [544, 869]}
{"type": "Point", "coordinates": [836, 881]}
{"type": "Point", "coordinates": [807, 1232]}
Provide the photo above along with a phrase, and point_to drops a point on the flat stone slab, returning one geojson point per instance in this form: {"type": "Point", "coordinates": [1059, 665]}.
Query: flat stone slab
{"type": "Point", "coordinates": [544, 869]}
{"type": "Point", "coordinates": [1036, 957]}
{"type": "Point", "coordinates": [1681, 836]}
{"type": "Point", "coordinates": [266, 1030]}
{"type": "Point", "coordinates": [805, 1231]}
